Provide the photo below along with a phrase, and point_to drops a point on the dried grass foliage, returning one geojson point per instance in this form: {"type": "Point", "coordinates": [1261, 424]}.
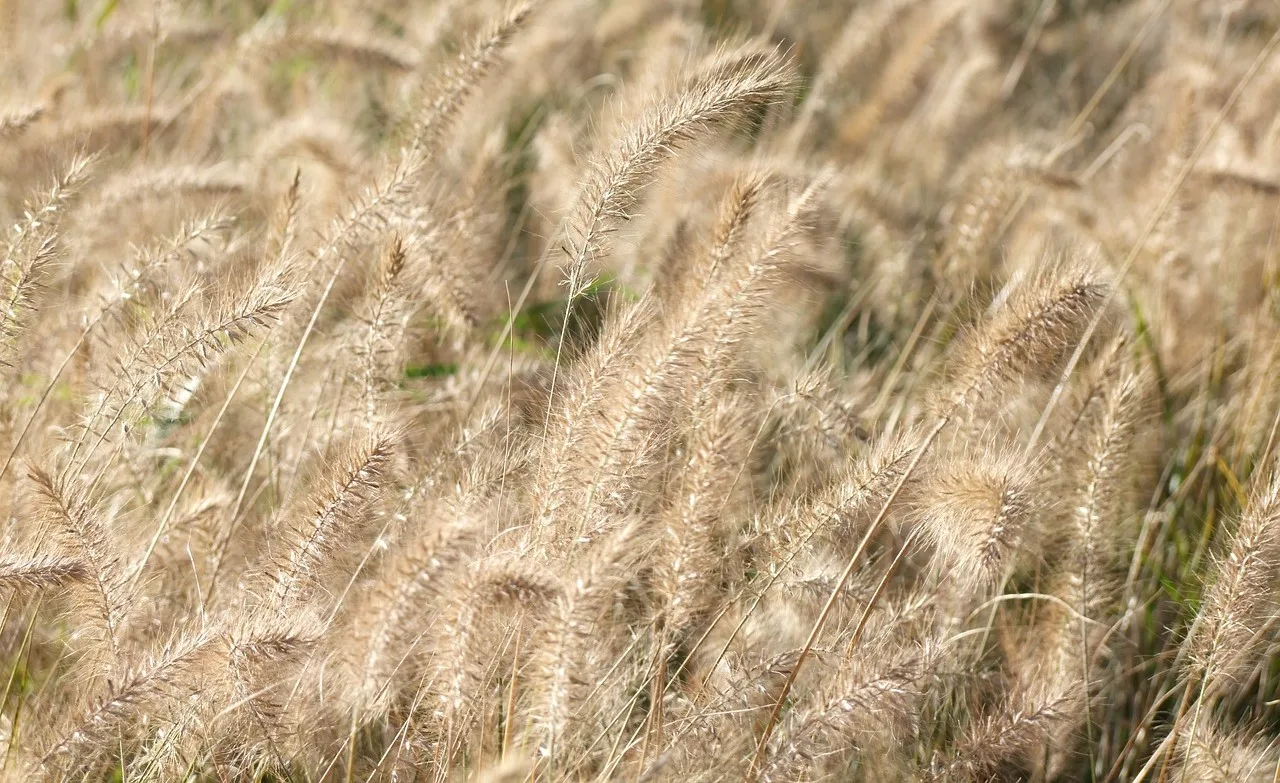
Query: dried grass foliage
{"type": "Point", "coordinates": [561, 390]}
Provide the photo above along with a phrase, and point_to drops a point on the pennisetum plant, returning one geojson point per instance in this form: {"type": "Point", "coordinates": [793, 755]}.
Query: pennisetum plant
{"type": "Point", "coordinates": [905, 411]}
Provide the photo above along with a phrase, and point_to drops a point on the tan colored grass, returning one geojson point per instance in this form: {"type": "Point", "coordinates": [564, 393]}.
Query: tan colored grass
{"type": "Point", "coordinates": [565, 390]}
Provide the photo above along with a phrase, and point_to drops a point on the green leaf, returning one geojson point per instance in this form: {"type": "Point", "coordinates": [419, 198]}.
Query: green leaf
{"type": "Point", "coordinates": [437, 370]}
{"type": "Point", "coordinates": [108, 9]}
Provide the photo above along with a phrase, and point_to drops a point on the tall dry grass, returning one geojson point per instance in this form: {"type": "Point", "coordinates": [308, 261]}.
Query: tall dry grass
{"type": "Point", "coordinates": [665, 390]}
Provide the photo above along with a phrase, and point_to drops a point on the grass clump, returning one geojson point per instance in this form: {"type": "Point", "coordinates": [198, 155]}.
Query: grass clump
{"type": "Point", "coordinates": [563, 390]}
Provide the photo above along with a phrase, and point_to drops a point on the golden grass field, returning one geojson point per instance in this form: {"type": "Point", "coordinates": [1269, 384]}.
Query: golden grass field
{"type": "Point", "coordinates": [640, 390]}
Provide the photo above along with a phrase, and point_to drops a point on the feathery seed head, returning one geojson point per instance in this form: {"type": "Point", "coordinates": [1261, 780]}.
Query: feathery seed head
{"type": "Point", "coordinates": [980, 512]}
